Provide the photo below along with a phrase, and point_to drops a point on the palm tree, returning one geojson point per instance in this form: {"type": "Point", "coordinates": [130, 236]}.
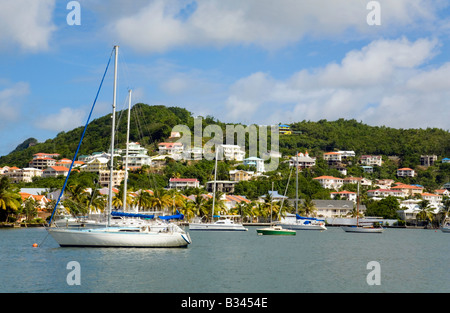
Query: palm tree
{"type": "Point", "coordinates": [425, 213]}
{"type": "Point", "coordinates": [143, 199]}
{"type": "Point", "coordinates": [117, 200]}
{"type": "Point", "coordinates": [199, 203]}
{"type": "Point", "coordinates": [161, 200]}
{"type": "Point", "coordinates": [308, 207]}
{"type": "Point", "coordinates": [10, 198]}
{"type": "Point", "coordinates": [188, 210]}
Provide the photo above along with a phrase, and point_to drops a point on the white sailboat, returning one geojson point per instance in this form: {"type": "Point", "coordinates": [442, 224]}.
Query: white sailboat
{"type": "Point", "coordinates": [275, 230]}
{"type": "Point", "coordinates": [445, 225]}
{"type": "Point", "coordinates": [140, 236]}
{"type": "Point", "coordinates": [359, 228]}
{"type": "Point", "coordinates": [301, 222]}
{"type": "Point", "coordinates": [223, 224]}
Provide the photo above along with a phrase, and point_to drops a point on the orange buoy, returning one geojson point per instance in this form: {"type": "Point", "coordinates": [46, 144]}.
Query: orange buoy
{"type": "Point", "coordinates": [35, 245]}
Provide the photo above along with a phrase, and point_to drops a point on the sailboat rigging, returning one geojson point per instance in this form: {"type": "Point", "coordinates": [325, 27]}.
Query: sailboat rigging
{"type": "Point", "coordinates": [359, 228]}
{"type": "Point", "coordinates": [126, 236]}
{"type": "Point", "coordinates": [225, 224]}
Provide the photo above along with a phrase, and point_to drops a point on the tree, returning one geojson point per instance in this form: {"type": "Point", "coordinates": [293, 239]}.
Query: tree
{"type": "Point", "coordinates": [308, 208]}
{"type": "Point", "coordinates": [425, 213]}
{"type": "Point", "coordinates": [10, 198]}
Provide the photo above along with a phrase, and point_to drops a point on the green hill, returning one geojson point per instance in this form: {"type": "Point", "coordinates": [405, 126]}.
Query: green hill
{"type": "Point", "coordinates": [153, 124]}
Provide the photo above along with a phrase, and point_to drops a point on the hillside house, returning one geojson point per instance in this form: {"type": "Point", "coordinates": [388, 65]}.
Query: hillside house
{"type": "Point", "coordinates": [330, 182]}
{"type": "Point", "coordinates": [371, 160]}
{"type": "Point", "coordinates": [406, 172]}
{"type": "Point", "coordinates": [55, 171]}
{"type": "Point", "coordinates": [256, 162]}
{"type": "Point", "coordinates": [42, 163]}
{"type": "Point", "coordinates": [302, 161]}
{"type": "Point", "coordinates": [183, 183]}
{"type": "Point", "coordinates": [233, 152]}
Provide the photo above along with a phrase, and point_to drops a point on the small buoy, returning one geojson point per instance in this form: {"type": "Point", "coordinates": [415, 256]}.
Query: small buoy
{"type": "Point", "coordinates": [35, 245]}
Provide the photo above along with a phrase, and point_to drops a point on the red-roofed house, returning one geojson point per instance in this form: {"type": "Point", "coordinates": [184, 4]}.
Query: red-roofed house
{"type": "Point", "coordinates": [345, 195]}
{"type": "Point", "coordinates": [170, 147]}
{"type": "Point", "coordinates": [406, 172]}
{"type": "Point", "coordinates": [182, 183]}
{"type": "Point", "coordinates": [54, 171]}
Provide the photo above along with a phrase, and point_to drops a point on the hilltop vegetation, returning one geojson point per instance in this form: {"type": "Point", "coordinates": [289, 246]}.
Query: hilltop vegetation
{"type": "Point", "coordinates": [153, 124]}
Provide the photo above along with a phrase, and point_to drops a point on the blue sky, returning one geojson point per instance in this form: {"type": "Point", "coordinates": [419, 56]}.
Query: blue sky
{"type": "Point", "coordinates": [252, 61]}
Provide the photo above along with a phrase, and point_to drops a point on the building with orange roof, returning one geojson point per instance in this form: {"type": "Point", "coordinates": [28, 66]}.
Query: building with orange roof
{"type": "Point", "coordinates": [406, 172]}
{"type": "Point", "coordinates": [409, 190]}
{"type": "Point", "coordinates": [344, 195]}
{"type": "Point", "coordinates": [55, 171]}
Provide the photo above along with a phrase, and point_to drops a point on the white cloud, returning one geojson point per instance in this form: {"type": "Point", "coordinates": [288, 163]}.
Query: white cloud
{"type": "Point", "coordinates": [26, 23]}
{"type": "Point", "coordinates": [10, 102]}
{"type": "Point", "coordinates": [66, 119]}
{"type": "Point", "coordinates": [387, 82]}
{"type": "Point", "coordinates": [162, 25]}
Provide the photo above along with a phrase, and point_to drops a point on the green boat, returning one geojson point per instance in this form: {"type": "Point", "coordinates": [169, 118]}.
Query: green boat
{"type": "Point", "coordinates": [276, 230]}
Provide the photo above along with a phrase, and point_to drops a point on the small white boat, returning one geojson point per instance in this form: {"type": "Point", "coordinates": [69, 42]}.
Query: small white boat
{"type": "Point", "coordinates": [445, 229]}
{"type": "Point", "coordinates": [226, 224]}
{"type": "Point", "coordinates": [362, 229]}
{"type": "Point", "coordinates": [305, 223]}
{"type": "Point", "coordinates": [358, 228]}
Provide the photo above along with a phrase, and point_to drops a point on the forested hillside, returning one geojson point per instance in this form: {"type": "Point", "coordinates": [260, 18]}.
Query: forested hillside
{"type": "Point", "coordinates": [153, 124]}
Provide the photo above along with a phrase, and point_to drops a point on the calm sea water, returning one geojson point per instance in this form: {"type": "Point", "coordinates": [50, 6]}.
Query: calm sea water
{"type": "Point", "coordinates": [411, 260]}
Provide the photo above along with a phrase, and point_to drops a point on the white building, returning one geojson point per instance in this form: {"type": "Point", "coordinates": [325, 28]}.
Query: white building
{"type": "Point", "coordinates": [233, 152]}
{"type": "Point", "coordinates": [55, 171]}
{"type": "Point", "coordinates": [405, 172]}
{"type": "Point", "coordinates": [183, 183]}
{"type": "Point", "coordinates": [23, 175]}
{"type": "Point", "coordinates": [256, 162]}
{"type": "Point", "coordinates": [330, 182]}
{"type": "Point", "coordinates": [170, 148]}
{"type": "Point", "coordinates": [371, 160]}
{"type": "Point", "coordinates": [302, 161]}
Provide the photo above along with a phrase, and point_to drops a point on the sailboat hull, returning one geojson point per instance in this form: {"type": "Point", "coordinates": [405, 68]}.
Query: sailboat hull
{"type": "Point", "coordinates": [275, 231]}
{"type": "Point", "coordinates": [445, 229]}
{"type": "Point", "coordinates": [120, 238]}
{"type": "Point", "coordinates": [360, 229]}
{"type": "Point", "coordinates": [216, 227]}
{"type": "Point", "coordinates": [304, 226]}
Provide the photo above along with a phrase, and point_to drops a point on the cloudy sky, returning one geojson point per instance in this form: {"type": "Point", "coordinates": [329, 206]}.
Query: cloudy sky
{"type": "Point", "coordinates": [253, 61]}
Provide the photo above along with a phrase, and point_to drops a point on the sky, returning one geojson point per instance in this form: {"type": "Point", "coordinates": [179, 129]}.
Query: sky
{"type": "Point", "coordinates": [249, 61]}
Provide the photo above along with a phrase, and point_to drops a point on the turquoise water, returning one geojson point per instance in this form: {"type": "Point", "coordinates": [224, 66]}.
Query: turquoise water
{"type": "Point", "coordinates": [411, 260]}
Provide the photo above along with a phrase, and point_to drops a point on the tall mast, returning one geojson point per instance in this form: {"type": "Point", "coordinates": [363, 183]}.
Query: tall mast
{"type": "Point", "coordinates": [111, 171]}
{"type": "Point", "coordinates": [296, 185]}
{"type": "Point", "coordinates": [214, 184]}
{"type": "Point", "coordinates": [126, 155]}
{"type": "Point", "coordinates": [357, 206]}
